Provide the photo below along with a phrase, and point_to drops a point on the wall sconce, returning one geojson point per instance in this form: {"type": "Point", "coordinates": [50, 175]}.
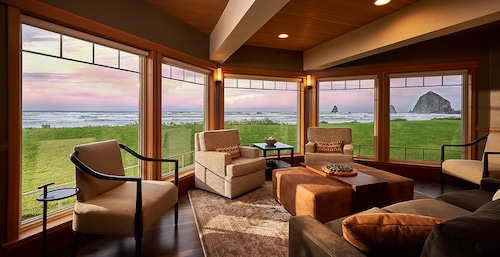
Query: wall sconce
{"type": "Point", "coordinates": [218, 76]}
{"type": "Point", "coordinates": [308, 82]}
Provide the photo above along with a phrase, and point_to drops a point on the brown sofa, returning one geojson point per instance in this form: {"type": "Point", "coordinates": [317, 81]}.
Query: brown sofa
{"type": "Point", "coordinates": [467, 225]}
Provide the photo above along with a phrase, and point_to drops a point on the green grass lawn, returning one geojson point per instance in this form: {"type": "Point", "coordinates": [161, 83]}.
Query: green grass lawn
{"type": "Point", "coordinates": [46, 151]}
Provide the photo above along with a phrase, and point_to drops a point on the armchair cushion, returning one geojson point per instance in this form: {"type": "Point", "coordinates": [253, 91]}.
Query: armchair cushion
{"type": "Point", "coordinates": [103, 213]}
{"type": "Point", "coordinates": [388, 233]}
{"type": "Point", "coordinates": [100, 156]}
{"type": "Point", "coordinates": [330, 147]}
{"type": "Point", "coordinates": [233, 150]}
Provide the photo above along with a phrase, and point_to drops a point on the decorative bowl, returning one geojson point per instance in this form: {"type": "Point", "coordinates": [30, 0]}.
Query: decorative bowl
{"type": "Point", "coordinates": [270, 141]}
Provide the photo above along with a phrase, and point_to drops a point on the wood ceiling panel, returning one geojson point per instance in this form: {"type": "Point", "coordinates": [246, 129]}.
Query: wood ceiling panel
{"type": "Point", "coordinates": [200, 14]}
{"type": "Point", "coordinates": [308, 22]}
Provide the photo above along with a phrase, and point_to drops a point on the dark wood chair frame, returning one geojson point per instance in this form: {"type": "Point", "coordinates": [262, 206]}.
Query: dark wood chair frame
{"type": "Point", "coordinates": [138, 230]}
{"type": "Point", "coordinates": [475, 142]}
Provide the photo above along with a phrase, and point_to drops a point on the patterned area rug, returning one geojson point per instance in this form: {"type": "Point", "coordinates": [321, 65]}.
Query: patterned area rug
{"type": "Point", "coordinates": [250, 225]}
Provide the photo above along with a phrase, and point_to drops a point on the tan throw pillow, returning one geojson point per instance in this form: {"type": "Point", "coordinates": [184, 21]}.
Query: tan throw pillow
{"type": "Point", "coordinates": [330, 147]}
{"type": "Point", "coordinates": [234, 150]}
{"type": "Point", "coordinates": [388, 233]}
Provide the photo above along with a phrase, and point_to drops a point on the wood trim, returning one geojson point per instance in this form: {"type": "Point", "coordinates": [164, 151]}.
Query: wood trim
{"type": "Point", "coordinates": [49, 13]}
{"type": "Point", "coordinates": [488, 129]}
{"type": "Point", "coordinates": [397, 69]}
{"type": "Point", "coordinates": [14, 71]}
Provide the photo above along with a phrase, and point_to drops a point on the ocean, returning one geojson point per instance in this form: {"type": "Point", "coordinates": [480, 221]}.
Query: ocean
{"type": "Point", "coordinates": [92, 119]}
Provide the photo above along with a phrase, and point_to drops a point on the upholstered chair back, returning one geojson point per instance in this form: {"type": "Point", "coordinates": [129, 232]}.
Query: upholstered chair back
{"type": "Point", "coordinates": [211, 139]}
{"type": "Point", "coordinates": [493, 145]}
{"type": "Point", "coordinates": [104, 157]}
{"type": "Point", "coordinates": [317, 134]}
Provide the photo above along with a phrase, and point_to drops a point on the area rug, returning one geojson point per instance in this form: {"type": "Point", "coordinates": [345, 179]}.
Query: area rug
{"type": "Point", "coordinates": [250, 225]}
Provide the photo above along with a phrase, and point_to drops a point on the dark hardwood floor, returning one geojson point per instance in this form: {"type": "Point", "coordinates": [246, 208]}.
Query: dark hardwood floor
{"type": "Point", "coordinates": [165, 240]}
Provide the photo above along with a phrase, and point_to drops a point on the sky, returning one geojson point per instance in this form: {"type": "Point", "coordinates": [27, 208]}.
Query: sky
{"type": "Point", "coordinates": [54, 84]}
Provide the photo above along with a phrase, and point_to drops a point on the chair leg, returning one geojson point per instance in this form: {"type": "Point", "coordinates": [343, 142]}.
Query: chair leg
{"type": "Point", "coordinates": [442, 182]}
{"type": "Point", "coordinates": [138, 246]}
{"type": "Point", "coordinates": [76, 241]}
{"type": "Point", "coordinates": [176, 214]}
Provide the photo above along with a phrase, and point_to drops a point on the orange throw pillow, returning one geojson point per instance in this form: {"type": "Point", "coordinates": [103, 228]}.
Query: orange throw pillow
{"type": "Point", "coordinates": [388, 233]}
{"type": "Point", "coordinates": [330, 147]}
{"type": "Point", "coordinates": [234, 150]}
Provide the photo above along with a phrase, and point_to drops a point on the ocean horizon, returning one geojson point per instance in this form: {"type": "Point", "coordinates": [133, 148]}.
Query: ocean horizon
{"type": "Point", "coordinates": [71, 119]}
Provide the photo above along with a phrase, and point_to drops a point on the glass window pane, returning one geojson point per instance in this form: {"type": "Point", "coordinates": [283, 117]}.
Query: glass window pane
{"type": "Point", "coordinates": [40, 40]}
{"type": "Point", "coordinates": [106, 56]}
{"type": "Point", "coordinates": [182, 115]}
{"type": "Point", "coordinates": [352, 108]}
{"type": "Point", "coordinates": [260, 113]}
{"type": "Point", "coordinates": [424, 118]}
{"type": "Point", "coordinates": [76, 49]}
{"type": "Point", "coordinates": [66, 103]}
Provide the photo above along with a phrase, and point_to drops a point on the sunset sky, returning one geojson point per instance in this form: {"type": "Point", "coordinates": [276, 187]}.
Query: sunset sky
{"type": "Point", "coordinates": [54, 84]}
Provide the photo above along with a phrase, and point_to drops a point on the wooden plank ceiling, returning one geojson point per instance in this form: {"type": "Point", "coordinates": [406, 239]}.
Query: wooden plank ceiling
{"type": "Point", "coordinates": [308, 22]}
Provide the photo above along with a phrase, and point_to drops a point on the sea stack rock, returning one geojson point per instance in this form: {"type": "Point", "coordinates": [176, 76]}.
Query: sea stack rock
{"type": "Point", "coordinates": [335, 110]}
{"type": "Point", "coordinates": [392, 109]}
{"type": "Point", "coordinates": [431, 102]}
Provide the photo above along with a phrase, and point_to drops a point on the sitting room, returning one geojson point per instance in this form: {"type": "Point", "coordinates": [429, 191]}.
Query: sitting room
{"type": "Point", "coordinates": [249, 128]}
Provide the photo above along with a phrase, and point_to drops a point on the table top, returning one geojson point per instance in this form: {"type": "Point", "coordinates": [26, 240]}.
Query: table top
{"type": "Point", "coordinates": [58, 194]}
{"type": "Point", "coordinates": [359, 180]}
{"type": "Point", "coordinates": [277, 146]}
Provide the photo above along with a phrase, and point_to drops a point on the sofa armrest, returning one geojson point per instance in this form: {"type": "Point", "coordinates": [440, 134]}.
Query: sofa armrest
{"type": "Point", "coordinates": [249, 151]}
{"type": "Point", "coordinates": [349, 149]}
{"type": "Point", "coordinates": [309, 237]}
{"type": "Point", "coordinates": [214, 161]}
{"type": "Point", "coordinates": [490, 184]}
{"type": "Point", "coordinates": [310, 147]}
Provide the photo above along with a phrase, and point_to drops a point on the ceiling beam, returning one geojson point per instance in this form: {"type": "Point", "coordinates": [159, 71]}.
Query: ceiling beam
{"type": "Point", "coordinates": [239, 21]}
{"type": "Point", "coordinates": [421, 21]}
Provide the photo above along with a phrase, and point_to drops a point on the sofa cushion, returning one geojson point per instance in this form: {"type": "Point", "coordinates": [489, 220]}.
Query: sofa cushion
{"type": "Point", "coordinates": [330, 147]}
{"type": "Point", "coordinates": [467, 199]}
{"type": "Point", "coordinates": [496, 196]}
{"type": "Point", "coordinates": [390, 234]}
{"type": "Point", "coordinates": [469, 236]}
{"type": "Point", "coordinates": [233, 150]}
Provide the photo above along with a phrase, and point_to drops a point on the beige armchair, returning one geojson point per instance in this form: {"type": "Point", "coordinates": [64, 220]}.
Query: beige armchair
{"type": "Point", "coordinates": [474, 170]}
{"type": "Point", "coordinates": [109, 203]}
{"type": "Point", "coordinates": [329, 144]}
{"type": "Point", "coordinates": [224, 167]}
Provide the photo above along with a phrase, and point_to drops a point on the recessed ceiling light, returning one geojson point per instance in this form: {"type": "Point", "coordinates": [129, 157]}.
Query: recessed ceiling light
{"type": "Point", "coordinates": [381, 2]}
{"type": "Point", "coordinates": [283, 35]}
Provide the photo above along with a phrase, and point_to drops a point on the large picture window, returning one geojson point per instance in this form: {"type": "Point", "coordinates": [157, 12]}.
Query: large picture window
{"type": "Point", "coordinates": [183, 115]}
{"type": "Point", "coordinates": [74, 91]}
{"type": "Point", "coordinates": [349, 102]}
{"type": "Point", "coordinates": [261, 108]}
{"type": "Point", "coordinates": [426, 112]}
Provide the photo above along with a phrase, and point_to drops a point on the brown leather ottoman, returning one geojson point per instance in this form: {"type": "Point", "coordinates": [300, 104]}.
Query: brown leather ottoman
{"type": "Point", "coordinates": [303, 192]}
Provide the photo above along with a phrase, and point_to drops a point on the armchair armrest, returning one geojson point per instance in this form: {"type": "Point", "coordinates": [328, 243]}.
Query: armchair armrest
{"type": "Point", "coordinates": [349, 149]}
{"type": "Point", "coordinates": [249, 151]}
{"type": "Point", "coordinates": [485, 162]}
{"type": "Point", "coordinates": [309, 237]}
{"type": "Point", "coordinates": [214, 161]}
{"type": "Point", "coordinates": [461, 145]}
{"type": "Point", "coordinates": [310, 147]}
{"type": "Point", "coordinates": [144, 158]}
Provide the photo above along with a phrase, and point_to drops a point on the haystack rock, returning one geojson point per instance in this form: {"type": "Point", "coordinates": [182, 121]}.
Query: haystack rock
{"type": "Point", "coordinates": [431, 102]}
{"type": "Point", "coordinates": [392, 109]}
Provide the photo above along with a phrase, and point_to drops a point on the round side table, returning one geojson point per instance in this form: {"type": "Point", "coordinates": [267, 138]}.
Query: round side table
{"type": "Point", "coordinates": [47, 196]}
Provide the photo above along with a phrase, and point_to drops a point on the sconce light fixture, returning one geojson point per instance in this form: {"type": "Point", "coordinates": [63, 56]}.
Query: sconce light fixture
{"type": "Point", "coordinates": [218, 76]}
{"type": "Point", "coordinates": [308, 81]}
